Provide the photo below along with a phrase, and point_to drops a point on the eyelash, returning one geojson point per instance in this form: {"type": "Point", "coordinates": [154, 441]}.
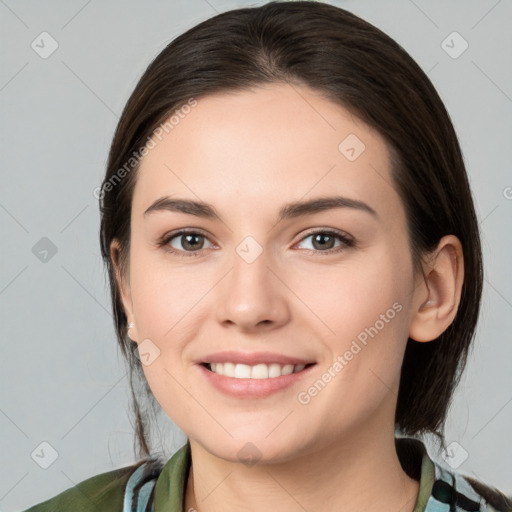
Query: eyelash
{"type": "Point", "coordinates": [346, 241]}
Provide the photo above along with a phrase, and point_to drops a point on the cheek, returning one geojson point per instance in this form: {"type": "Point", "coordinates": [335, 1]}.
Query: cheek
{"type": "Point", "coordinates": [166, 296]}
{"type": "Point", "coordinates": [348, 298]}
{"type": "Point", "coordinates": [364, 309]}
{"type": "Point", "coordinates": [168, 303]}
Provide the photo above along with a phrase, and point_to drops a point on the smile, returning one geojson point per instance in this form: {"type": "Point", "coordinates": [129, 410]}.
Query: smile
{"type": "Point", "coordinates": [258, 371]}
{"type": "Point", "coordinates": [253, 381]}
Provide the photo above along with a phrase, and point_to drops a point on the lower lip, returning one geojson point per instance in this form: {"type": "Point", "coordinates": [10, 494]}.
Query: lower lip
{"type": "Point", "coordinates": [252, 388]}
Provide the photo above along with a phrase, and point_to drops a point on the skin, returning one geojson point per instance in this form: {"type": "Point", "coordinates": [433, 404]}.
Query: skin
{"type": "Point", "coordinates": [248, 153]}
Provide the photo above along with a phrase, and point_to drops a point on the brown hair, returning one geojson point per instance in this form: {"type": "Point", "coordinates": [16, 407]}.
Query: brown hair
{"type": "Point", "coordinates": [359, 67]}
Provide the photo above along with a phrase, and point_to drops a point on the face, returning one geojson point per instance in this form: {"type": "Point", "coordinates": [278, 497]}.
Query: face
{"type": "Point", "coordinates": [295, 259]}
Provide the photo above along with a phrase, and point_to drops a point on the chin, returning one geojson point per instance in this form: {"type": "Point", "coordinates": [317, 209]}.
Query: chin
{"type": "Point", "coordinates": [254, 448]}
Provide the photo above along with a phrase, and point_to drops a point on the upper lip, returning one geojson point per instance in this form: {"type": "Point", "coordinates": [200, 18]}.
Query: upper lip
{"type": "Point", "coordinates": [251, 359]}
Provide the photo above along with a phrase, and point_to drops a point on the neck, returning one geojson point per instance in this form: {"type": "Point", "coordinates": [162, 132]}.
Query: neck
{"type": "Point", "coordinates": [360, 473]}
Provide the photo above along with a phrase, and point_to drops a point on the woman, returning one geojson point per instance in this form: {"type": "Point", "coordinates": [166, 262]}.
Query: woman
{"type": "Point", "coordinates": [295, 270]}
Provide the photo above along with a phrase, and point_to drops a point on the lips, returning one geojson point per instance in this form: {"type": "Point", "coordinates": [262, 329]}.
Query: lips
{"type": "Point", "coordinates": [254, 375]}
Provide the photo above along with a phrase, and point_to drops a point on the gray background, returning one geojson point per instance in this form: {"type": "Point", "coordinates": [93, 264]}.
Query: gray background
{"type": "Point", "coordinates": [64, 381]}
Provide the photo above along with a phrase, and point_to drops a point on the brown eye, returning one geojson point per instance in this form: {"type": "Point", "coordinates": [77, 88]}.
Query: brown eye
{"type": "Point", "coordinates": [324, 241]}
{"type": "Point", "coordinates": [184, 242]}
{"type": "Point", "coordinates": [191, 242]}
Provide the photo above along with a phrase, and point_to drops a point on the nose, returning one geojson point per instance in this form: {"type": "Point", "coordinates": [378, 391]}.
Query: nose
{"type": "Point", "coordinates": [252, 296]}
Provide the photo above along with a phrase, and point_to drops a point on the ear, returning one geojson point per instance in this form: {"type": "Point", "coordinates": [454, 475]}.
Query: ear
{"type": "Point", "coordinates": [437, 298]}
{"type": "Point", "coordinates": [123, 287]}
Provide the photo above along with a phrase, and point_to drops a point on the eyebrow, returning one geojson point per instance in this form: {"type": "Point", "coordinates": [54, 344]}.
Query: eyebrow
{"type": "Point", "coordinates": [288, 211]}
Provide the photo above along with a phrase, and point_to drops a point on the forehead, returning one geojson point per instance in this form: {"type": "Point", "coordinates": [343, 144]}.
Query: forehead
{"type": "Point", "coordinates": [278, 142]}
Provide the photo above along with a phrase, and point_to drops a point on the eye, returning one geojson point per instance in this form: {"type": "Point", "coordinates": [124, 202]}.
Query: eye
{"type": "Point", "coordinates": [324, 241]}
{"type": "Point", "coordinates": [184, 242]}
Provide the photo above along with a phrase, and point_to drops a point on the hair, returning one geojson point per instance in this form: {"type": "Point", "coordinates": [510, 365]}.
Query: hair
{"type": "Point", "coordinates": [357, 66]}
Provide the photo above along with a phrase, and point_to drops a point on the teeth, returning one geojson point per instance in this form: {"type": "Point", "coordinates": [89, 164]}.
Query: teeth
{"type": "Point", "coordinates": [258, 371]}
{"type": "Point", "coordinates": [274, 370]}
{"type": "Point", "coordinates": [242, 371]}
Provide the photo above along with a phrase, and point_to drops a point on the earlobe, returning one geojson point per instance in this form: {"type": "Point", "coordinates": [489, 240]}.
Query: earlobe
{"type": "Point", "coordinates": [437, 299]}
{"type": "Point", "coordinates": [123, 287]}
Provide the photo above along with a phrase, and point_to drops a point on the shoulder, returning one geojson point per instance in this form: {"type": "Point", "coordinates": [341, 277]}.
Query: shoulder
{"type": "Point", "coordinates": [446, 489]}
{"type": "Point", "coordinates": [105, 491]}
{"type": "Point", "coordinates": [464, 493]}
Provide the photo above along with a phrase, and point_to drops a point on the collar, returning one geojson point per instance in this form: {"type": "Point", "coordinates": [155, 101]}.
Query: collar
{"type": "Point", "coordinates": [440, 489]}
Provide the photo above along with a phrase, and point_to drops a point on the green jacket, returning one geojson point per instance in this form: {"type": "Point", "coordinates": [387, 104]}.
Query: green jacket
{"type": "Point", "coordinates": [151, 486]}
